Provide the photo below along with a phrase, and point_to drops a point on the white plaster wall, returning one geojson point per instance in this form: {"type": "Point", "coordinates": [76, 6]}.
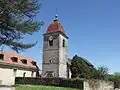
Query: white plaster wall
{"type": "Point", "coordinates": [70, 74]}
{"type": "Point", "coordinates": [7, 76]}
{"type": "Point", "coordinates": [63, 57]}
{"type": "Point", "coordinates": [63, 71]}
{"type": "Point", "coordinates": [28, 73]}
{"type": "Point", "coordinates": [63, 52]}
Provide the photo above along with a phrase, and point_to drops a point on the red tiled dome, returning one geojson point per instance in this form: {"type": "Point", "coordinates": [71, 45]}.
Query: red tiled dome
{"type": "Point", "coordinates": [55, 26]}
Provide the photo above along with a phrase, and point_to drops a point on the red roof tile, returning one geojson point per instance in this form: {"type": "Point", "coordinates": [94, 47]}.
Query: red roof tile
{"type": "Point", "coordinates": [55, 26]}
{"type": "Point", "coordinates": [8, 55]}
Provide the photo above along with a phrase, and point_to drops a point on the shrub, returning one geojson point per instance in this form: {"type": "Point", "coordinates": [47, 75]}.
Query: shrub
{"type": "Point", "coordinates": [61, 82]}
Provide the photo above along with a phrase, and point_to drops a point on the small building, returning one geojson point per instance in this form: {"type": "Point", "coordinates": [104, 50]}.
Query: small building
{"type": "Point", "coordinates": [14, 65]}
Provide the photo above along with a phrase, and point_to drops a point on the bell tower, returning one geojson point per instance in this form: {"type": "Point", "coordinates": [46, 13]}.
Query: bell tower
{"type": "Point", "coordinates": [55, 51]}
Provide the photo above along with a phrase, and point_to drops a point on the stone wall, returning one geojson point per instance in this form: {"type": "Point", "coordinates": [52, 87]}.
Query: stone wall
{"type": "Point", "coordinates": [55, 57]}
{"type": "Point", "coordinates": [98, 85]}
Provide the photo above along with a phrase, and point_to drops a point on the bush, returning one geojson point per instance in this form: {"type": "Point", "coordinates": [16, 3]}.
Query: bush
{"type": "Point", "coordinates": [61, 82]}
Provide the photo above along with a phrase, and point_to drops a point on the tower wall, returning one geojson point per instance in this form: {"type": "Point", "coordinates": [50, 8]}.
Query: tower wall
{"type": "Point", "coordinates": [57, 53]}
{"type": "Point", "coordinates": [63, 56]}
{"type": "Point", "coordinates": [49, 52]}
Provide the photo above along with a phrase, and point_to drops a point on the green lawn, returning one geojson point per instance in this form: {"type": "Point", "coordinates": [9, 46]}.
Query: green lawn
{"type": "Point", "coordinates": [33, 87]}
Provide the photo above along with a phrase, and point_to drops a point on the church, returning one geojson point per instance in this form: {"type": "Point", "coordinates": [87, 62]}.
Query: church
{"type": "Point", "coordinates": [55, 51]}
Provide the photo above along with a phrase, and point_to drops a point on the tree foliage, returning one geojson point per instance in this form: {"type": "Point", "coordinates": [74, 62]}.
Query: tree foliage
{"type": "Point", "coordinates": [115, 78]}
{"type": "Point", "coordinates": [17, 19]}
{"type": "Point", "coordinates": [101, 73]}
{"type": "Point", "coordinates": [81, 68]}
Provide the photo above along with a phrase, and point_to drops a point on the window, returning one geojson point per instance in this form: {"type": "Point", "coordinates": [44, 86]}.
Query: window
{"type": "Point", "coordinates": [14, 59]}
{"type": "Point", "coordinates": [1, 56]}
{"type": "Point", "coordinates": [49, 74]}
{"type": "Point", "coordinates": [0, 81]}
{"type": "Point", "coordinates": [63, 43]}
{"type": "Point", "coordinates": [33, 63]}
{"type": "Point", "coordinates": [24, 74]}
{"type": "Point", "coordinates": [50, 61]}
{"type": "Point", "coordinates": [24, 61]}
{"type": "Point", "coordinates": [50, 42]}
{"type": "Point", "coordinates": [14, 72]}
{"type": "Point", "coordinates": [32, 73]}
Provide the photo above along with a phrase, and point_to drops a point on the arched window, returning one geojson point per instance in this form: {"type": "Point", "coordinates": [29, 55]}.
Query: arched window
{"type": "Point", "coordinates": [50, 61]}
{"type": "Point", "coordinates": [63, 43]}
{"type": "Point", "coordinates": [32, 73]}
{"type": "Point", "coordinates": [24, 74]}
{"type": "Point", "coordinates": [14, 72]}
{"type": "Point", "coordinates": [49, 74]}
{"type": "Point", "coordinates": [1, 56]}
{"type": "Point", "coordinates": [50, 42]}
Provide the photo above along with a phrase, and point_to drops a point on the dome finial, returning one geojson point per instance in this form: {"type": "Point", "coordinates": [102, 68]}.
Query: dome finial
{"type": "Point", "coordinates": [56, 16]}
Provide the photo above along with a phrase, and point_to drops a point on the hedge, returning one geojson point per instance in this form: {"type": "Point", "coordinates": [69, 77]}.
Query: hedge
{"type": "Point", "coordinates": [61, 82]}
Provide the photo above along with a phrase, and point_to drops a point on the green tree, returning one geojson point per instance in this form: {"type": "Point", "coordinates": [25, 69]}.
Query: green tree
{"type": "Point", "coordinates": [17, 19]}
{"type": "Point", "coordinates": [101, 73]}
{"type": "Point", "coordinates": [117, 74]}
{"type": "Point", "coordinates": [115, 78]}
{"type": "Point", "coordinates": [81, 68]}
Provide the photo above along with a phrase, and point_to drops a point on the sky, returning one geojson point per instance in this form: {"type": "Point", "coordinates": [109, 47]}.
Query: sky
{"type": "Point", "coordinates": [93, 27]}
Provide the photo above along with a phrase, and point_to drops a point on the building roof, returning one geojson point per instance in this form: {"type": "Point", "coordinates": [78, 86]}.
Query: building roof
{"type": "Point", "coordinates": [86, 61]}
{"type": "Point", "coordinates": [13, 58]}
{"type": "Point", "coordinates": [55, 26]}
{"type": "Point", "coordinates": [69, 61]}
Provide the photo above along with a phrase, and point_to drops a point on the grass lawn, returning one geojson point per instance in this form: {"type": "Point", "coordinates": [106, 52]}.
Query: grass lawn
{"type": "Point", "coordinates": [33, 87]}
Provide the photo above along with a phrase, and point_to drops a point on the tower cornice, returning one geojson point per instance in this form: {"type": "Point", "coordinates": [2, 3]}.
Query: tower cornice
{"type": "Point", "coordinates": [58, 32]}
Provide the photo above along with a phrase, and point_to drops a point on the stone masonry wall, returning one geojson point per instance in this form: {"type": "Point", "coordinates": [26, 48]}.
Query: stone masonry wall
{"type": "Point", "coordinates": [98, 85]}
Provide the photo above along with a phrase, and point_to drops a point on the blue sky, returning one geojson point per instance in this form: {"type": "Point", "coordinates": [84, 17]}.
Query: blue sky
{"type": "Point", "coordinates": [93, 27]}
